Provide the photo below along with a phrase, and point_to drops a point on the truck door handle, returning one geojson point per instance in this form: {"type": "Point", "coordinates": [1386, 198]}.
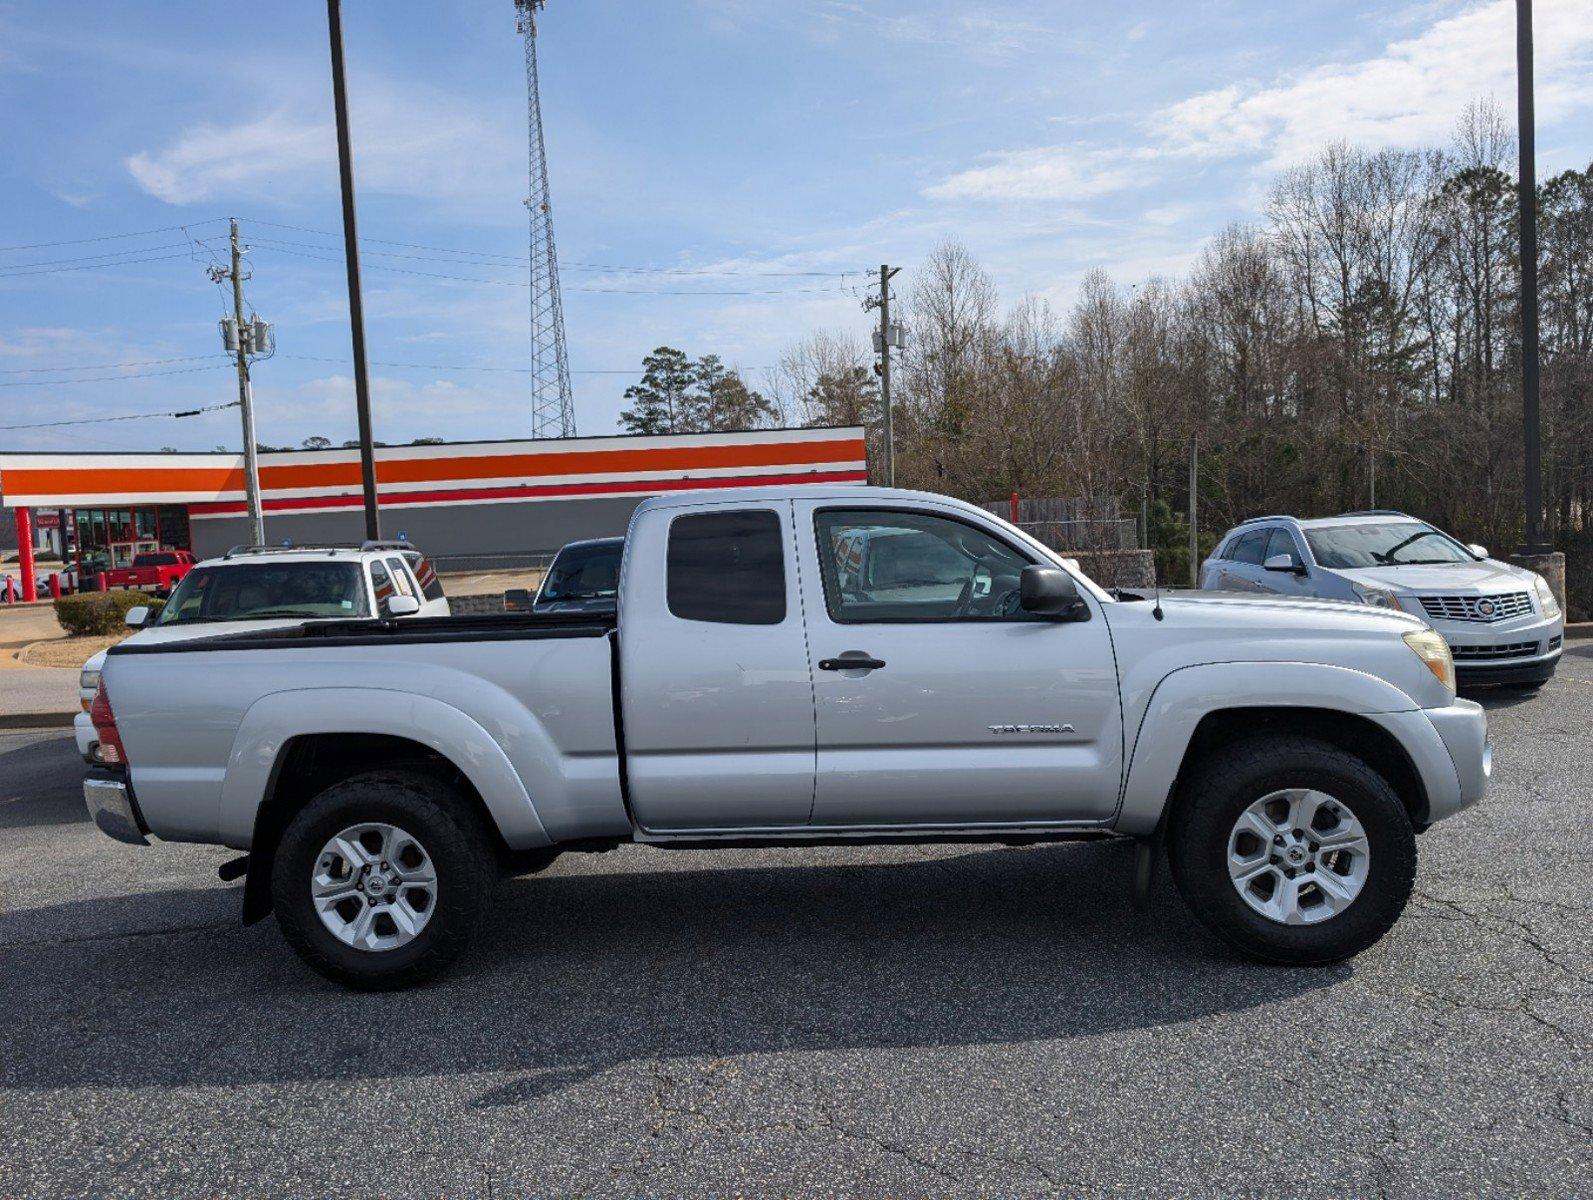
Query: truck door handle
{"type": "Point", "coordinates": [852, 660]}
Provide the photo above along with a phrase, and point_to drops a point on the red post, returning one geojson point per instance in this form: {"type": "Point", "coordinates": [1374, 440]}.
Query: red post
{"type": "Point", "coordinates": [104, 585]}
{"type": "Point", "coordinates": [1014, 508]}
{"type": "Point", "coordinates": [30, 585]}
{"type": "Point", "coordinates": [55, 585]}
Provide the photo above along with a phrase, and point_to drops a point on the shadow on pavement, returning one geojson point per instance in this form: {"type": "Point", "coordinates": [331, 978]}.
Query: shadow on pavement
{"type": "Point", "coordinates": [41, 786]}
{"type": "Point", "coordinates": [579, 972]}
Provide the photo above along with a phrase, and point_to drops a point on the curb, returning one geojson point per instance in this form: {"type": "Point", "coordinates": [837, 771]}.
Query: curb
{"type": "Point", "coordinates": [1579, 632]}
{"type": "Point", "coordinates": [56, 720]}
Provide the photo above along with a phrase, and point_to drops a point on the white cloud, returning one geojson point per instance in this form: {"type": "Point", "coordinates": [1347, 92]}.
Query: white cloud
{"type": "Point", "coordinates": [1072, 172]}
{"type": "Point", "coordinates": [1408, 95]}
{"type": "Point", "coordinates": [414, 141]}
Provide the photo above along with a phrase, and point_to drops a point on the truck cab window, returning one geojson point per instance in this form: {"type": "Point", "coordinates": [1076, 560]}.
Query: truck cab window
{"type": "Point", "coordinates": [914, 566]}
{"type": "Point", "coordinates": [727, 567]}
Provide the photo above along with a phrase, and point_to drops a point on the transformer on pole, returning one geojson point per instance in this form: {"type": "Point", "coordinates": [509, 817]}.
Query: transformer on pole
{"type": "Point", "coordinates": [552, 410]}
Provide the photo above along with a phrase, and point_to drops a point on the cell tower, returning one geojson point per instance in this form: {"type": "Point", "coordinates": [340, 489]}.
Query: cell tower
{"type": "Point", "coordinates": [552, 410]}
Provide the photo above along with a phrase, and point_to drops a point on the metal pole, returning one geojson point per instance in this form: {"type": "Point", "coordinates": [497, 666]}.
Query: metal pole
{"type": "Point", "coordinates": [1194, 526]}
{"type": "Point", "coordinates": [351, 252]}
{"type": "Point", "coordinates": [1527, 185]}
{"type": "Point", "coordinates": [251, 459]}
{"type": "Point", "coordinates": [885, 274]}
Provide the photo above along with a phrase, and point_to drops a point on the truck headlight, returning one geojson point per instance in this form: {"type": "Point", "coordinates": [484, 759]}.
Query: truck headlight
{"type": "Point", "coordinates": [87, 681]}
{"type": "Point", "coordinates": [1375, 596]}
{"type": "Point", "coordinates": [1434, 651]}
{"type": "Point", "coordinates": [1546, 600]}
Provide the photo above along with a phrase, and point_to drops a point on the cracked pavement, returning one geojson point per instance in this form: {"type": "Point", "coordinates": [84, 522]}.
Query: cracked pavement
{"type": "Point", "coordinates": [867, 1021]}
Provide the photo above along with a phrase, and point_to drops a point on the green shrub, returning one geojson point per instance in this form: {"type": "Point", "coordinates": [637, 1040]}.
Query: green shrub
{"type": "Point", "coordinates": [92, 613]}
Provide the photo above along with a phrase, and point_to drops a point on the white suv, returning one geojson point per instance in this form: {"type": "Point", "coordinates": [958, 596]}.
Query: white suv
{"type": "Point", "coordinates": [264, 587]}
{"type": "Point", "coordinates": [1502, 622]}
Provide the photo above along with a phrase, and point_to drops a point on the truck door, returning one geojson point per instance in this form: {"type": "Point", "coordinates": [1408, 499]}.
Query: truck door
{"type": "Point", "coordinates": [716, 694]}
{"type": "Point", "coordinates": [939, 701]}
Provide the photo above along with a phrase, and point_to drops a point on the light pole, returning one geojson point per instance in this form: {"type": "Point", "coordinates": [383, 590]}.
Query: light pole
{"type": "Point", "coordinates": [351, 253]}
{"type": "Point", "coordinates": [1526, 184]}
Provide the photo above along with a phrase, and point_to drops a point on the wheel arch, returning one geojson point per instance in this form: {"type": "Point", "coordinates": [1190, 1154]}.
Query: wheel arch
{"type": "Point", "coordinates": [293, 745]}
{"type": "Point", "coordinates": [1196, 709]}
{"type": "Point", "coordinates": [1352, 733]}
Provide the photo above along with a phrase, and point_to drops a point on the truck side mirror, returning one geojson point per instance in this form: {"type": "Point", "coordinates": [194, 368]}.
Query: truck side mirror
{"type": "Point", "coordinates": [402, 606]}
{"type": "Point", "coordinates": [136, 616]}
{"type": "Point", "coordinates": [1284, 562]}
{"type": "Point", "coordinates": [517, 600]}
{"type": "Point", "coordinates": [1051, 592]}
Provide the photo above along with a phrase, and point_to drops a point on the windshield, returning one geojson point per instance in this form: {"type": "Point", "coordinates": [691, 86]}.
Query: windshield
{"type": "Point", "coordinates": [583, 573]}
{"type": "Point", "coordinates": [256, 591]}
{"type": "Point", "coordinates": [1394, 544]}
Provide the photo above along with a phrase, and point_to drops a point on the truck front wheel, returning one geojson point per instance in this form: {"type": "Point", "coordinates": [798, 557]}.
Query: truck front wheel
{"type": "Point", "coordinates": [1292, 850]}
{"type": "Point", "coordinates": [379, 881]}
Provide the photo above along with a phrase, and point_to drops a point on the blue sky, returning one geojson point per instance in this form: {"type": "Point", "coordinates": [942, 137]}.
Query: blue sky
{"type": "Point", "coordinates": [740, 136]}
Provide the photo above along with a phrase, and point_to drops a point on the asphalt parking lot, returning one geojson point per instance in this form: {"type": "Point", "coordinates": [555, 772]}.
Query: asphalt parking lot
{"type": "Point", "coordinates": [903, 1021]}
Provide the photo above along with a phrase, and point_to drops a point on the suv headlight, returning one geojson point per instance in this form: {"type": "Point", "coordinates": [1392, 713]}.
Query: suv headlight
{"type": "Point", "coordinates": [1546, 600]}
{"type": "Point", "coordinates": [1434, 651]}
{"type": "Point", "coordinates": [1375, 596]}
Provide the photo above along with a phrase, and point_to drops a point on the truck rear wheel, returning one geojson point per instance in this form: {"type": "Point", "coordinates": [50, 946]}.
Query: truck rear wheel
{"type": "Point", "coordinates": [1292, 850]}
{"type": "Point", "coordinates": [379, 881]}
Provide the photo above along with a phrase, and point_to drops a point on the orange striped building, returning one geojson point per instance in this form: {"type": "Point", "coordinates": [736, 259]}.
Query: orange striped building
{"type": "Point", "coordinates": [477, 500]}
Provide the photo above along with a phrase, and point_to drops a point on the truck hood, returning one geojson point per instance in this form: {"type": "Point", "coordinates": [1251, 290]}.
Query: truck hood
{"type": "Point", "coordinates": [1243, 610]}
{"type": "Point", "coordinates": [1458, 579]}
{"type": "Point", "coordinates": [1203, 628]}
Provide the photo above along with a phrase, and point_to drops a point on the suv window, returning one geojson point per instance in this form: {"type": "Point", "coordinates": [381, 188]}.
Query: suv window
{"type": "Point", "coordinates": [1248, 548]}
{"type": "Point", "coordinates": [401, 578]}
{"type": "Point", "coordinates": [249, 591]}
{"type": "Point", "coordinates": [727, 567]}
{"type": "Point", "coordinates": [915, 566]}
{"type": "Point", "coordinates": [1280, 542]}
{"type": "Point", "coordinates": [382, 585]}
{"type": "Point", "coordinates": [425, 574]}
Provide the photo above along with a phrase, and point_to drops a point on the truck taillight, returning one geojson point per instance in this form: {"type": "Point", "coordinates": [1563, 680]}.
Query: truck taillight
{"type": "Point", "coordinates": [111, 749]}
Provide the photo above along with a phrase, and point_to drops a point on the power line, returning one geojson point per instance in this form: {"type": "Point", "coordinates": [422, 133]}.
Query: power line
{"type": "Point", "coordinates": [126, 262]}
{"type": "Point", "coordinates": [191, 412]}
{"type": "Point", "coordinates": [462, 367]}
{"type": "Point", "coordinates": [101, 379]}
{"type": "Point", "coordinates": [146, 362]}
{"type": "Point", "coordinates": [575, 288]}
{"type": "Point", "coordinates": [109, 237]}
{"type": "Point", "coordinates": [521, 260]}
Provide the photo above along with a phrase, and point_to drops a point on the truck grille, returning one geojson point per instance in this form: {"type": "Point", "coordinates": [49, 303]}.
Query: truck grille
{"type": "Point", "coordinates": [1478, 608]}
{"type": "Point", "coordinates": [1483, 653]}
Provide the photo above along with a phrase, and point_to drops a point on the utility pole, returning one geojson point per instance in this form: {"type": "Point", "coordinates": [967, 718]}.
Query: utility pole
{"type": "Point", "coordinates": [888, 336]}
{"type": "Point", "coordinates": [1194, 525]}
{"type": "Point", "coordinates": [351, 253]}
{"type": "Point", "coordinates": [242, 338]}
{"type": "Point", "coordinates": [1526, 182]}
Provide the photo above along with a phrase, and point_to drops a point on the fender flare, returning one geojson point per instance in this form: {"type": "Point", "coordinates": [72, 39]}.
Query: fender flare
{"type": "Point", "coordinates": [277, 718]}
{"type": "Point", "coordinates": [1186, 696]}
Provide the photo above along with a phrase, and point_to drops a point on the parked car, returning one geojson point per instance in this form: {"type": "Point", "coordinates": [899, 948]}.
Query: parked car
{"type": "Point", "coordinates": [268, 587]}
{"type": "Point", "coordinates": [1502, 622]}
{"type": "Point", "coordinates": [156, 569]}
{"type": "Point", "coordinates": [584, 577]}
{"type": "Point", "coordinates": [377, 775]}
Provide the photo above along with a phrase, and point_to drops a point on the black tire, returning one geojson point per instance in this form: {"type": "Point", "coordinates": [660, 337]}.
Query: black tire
{"type": "Point", "coordinates": [1218, 792]}
{"type": "Point", "coordinates": [429, 811]}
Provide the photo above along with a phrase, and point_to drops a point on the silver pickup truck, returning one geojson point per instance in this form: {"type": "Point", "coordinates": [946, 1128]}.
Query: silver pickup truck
{"type": "Point", "coordinates": [799, 666]}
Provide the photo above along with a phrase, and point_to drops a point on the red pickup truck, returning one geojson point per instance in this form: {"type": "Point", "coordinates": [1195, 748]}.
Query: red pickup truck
{"type": "Point", "coordinates": [158, 569]}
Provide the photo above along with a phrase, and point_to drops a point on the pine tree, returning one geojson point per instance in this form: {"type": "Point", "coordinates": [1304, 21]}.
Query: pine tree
{"type": "Point", "coordinates": [659, 402]}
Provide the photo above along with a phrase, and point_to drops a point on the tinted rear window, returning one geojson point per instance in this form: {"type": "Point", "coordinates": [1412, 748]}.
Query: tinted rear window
{"type": "Point", "coordinates": [1248, 548]}
{"type": "Point", "coordinates": [727, 567]}
{"type": "Point", "coordinates": [155, 560]}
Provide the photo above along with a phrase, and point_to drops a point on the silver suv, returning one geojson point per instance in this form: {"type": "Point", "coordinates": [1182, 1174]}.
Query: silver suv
{"type": "Point", "coordinates": [1502, 622]}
